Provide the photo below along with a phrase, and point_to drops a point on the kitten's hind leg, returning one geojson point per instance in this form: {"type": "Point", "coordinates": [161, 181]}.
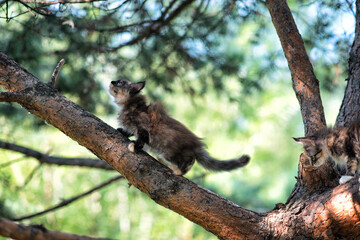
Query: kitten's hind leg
{"type": "Point", "coordinates": [176, 170]}
{"type": "Point", "coordinates": [181, 164]}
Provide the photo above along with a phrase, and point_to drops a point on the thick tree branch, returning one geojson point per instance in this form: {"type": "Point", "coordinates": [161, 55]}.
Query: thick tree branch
{"type": "Point", "coordinates": [61, 161]}
{"type": "Point", "coordinates": [12, 97]}
{"type": "Point", "coordinates": [350, 107]}
{"type": "Point", "coordinates": [306, 87]}
{"type": "Point", "coordinates": [216, 214]}
{"type": "Point", "coordinates": [305, 83]}
{"type": "Point", "coordinates": [13, 230]}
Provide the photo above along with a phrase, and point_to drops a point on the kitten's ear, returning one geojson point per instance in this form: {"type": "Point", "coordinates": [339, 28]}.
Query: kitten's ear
{"type": "Point", "coordinates": [137, 87]}
{"type": "Point", "coordinates": [305, 141]}
{"type": "Point", "coordinates": [310, 145]}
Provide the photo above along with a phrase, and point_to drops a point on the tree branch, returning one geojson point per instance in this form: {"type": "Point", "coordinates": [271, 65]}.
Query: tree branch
{"type": "Point", "coordinates": [10, 229]}
{"type": "Point", "coordinates": [61, 161]}
{"type": "Point", "coordinates": [12, 97]}
{"type": "Point", "coordinates": [55, 73]}
{"type": "Point", "coordinates": [350, 107]}
{"type": "Point", "coordinates": [70, 200]}
{"type": "Point", "coordinates": [305, 83]}
{"type": "Point", "coordinates": [306, 87]}
{"type": "Point", "coordinates": [333, 214]}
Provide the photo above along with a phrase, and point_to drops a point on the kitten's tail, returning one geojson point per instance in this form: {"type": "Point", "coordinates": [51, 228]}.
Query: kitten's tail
{"type": "Point", "coordinates": [211, 163]}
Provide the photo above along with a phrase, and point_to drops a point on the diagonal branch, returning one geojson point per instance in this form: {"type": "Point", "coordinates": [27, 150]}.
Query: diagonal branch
{"type": "Point", "coordinates": [61, 161]}
{"type": "Point", "coordinates": [305, 83]}
{"type": "Point", "coordinates": [216, 214]}
{"type": "Point", "coordinates": [350, 107]}
{"type": "Point", "coordinates": [18, 97]}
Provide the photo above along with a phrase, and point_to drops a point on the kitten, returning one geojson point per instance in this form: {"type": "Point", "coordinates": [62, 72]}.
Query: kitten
{"type": "Point", "coordinates": [342, 145]}
{"type": "Point", "coordinates": [164, 135]}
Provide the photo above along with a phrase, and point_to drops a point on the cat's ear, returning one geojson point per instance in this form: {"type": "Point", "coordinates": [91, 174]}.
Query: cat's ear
{"type": "Point", "coordinates": [137, 87]}
{"type": "Point", "coordinates": [305, 141]}
{"type": "Point", "coordinates": [310, 145]}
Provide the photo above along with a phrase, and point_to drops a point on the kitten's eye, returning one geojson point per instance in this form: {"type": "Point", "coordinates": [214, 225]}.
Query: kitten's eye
{"type": "Point", "coordinates": [315, 157]}
{"type": "Point", "coordinates": [318, 155]}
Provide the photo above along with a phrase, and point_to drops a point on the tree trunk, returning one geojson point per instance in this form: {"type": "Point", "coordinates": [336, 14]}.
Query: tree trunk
{"type": "Point", "coordinates": [350, 107]}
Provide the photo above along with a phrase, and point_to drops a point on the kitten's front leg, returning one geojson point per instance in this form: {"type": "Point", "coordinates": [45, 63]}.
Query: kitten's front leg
{"type": "Point", "coordinates": [125, 132]}
{"type": "Point", "coordinates": [142, 138]}
{"type": "Point", "coordinates": [351, 167]}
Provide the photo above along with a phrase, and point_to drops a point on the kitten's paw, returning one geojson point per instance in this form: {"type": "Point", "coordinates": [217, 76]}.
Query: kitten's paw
{"type": "Point", "coordinates": [345, 179]}
{"type": "Point", "coordinates": [131, 147]}
{"type": "Point", "coordinates": [176, 170]}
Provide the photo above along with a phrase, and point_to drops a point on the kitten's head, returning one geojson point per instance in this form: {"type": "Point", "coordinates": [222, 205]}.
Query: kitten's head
{"type": "Point", "coordinates": [314, 150]}
{"type": "Point", "coordinates": [122, 89]}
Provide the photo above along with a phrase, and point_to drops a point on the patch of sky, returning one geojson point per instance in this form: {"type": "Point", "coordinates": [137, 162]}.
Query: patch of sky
{"type": "Point", "coordinates": [196, 47]}
{"type": "Point", "coordinates": [153, 9]}
{"type": "Point", "coordinates": [245, 7]}
{"type": "Point", "coordinates": [121, 39]}
{"type": "Point", "coordinates": [342, 29]}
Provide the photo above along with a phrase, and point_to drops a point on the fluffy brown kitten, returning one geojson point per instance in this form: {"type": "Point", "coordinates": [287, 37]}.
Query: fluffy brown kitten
{"type": "Point", "coordinates": [342, 145]}
{"type": "Point", "coordinates": [165, 136]}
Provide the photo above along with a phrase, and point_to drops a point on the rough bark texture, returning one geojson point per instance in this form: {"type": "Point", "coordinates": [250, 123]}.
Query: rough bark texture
{"type": "Point", "coordinates": [306, 87]}
{"type": "Point", "coordinates": [305, 83]}
{"type": "Point", "coordinates": [350, 107]}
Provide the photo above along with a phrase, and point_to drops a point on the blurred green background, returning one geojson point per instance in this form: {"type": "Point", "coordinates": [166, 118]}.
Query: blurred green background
{"type": "Point", "coordinates": [217, 66]}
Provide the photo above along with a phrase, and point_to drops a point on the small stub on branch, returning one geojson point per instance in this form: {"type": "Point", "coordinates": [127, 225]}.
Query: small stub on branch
{"type": "Point", "coordinates": [55, 74]}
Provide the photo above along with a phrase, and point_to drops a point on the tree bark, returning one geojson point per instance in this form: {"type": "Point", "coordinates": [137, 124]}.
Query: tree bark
{"type": "Point", "coordinates": [350, 107]}
{"type": "Point", "coordinates": [306, 87]}
{"type": "Point", "coordinates": [305, 83]}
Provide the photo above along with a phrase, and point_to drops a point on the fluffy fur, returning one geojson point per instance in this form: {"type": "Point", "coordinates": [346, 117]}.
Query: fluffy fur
{"type": "Point", "coordinates": [167, 137]}
{"type": "Point", "coordinates": [341, 145]}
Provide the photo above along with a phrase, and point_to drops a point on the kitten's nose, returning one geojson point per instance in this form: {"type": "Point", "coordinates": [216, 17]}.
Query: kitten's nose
{"type": "Point", "coordinates": [113, 82]}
